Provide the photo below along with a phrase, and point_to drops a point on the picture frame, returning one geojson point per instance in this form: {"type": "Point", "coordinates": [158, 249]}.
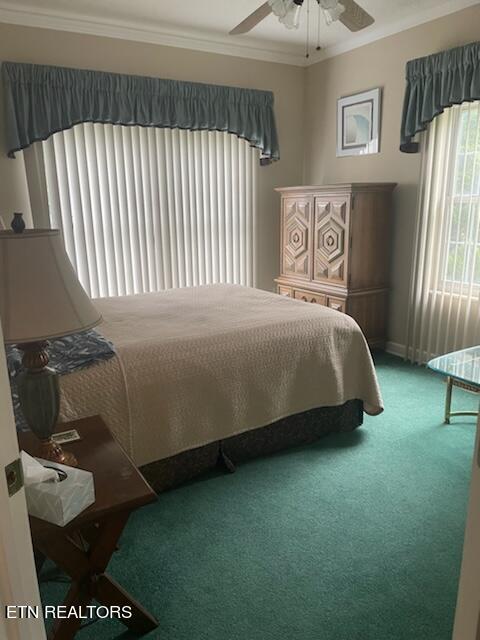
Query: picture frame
{"type": "Point", "coordinates": [358, 123]}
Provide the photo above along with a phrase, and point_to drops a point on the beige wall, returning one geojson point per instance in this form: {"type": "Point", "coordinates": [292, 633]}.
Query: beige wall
{"type": "Point", "coordinates": [305, 104]}
{"type": "Point", "coordinates": [41, 46]}
{"type": "Point", "coordinates": [380, 64]}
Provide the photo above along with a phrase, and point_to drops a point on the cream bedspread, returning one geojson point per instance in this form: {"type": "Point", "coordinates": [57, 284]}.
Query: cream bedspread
{"type": "Point", "coordinates": [200, 364]}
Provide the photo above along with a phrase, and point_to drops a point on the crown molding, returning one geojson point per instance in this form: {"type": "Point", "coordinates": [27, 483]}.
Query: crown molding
{"type": "Point", "coordinates": [212, 43]}
{"type": "Point", "coordinates": [138, 33]}
{"type": "Point", "coordinates": [373, 34]}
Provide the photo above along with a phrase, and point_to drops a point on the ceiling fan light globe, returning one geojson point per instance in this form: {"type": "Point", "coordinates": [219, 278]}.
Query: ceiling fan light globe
{"type": "Point", "coordinates": [292, 19]}
{"type": "Point", "coordinates": [287, 11]}
{"type": "Point", "coordinates": [280, 8]}
{"type": "Point", "coordinates": [332, 10]}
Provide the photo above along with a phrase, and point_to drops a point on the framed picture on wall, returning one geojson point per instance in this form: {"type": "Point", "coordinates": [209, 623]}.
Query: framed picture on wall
{"type": "Point", "coordinates": [358, 123]}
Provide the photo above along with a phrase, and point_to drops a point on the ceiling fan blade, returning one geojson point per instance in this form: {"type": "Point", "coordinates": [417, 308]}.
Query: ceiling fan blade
{"type": "Point", "coordinates": [354, 17]}
{"type": "Point", "coordinates": [253, 19]}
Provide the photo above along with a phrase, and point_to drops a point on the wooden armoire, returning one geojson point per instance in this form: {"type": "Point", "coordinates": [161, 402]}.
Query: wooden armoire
{"type": "Point", "coordinates": [335, 250]}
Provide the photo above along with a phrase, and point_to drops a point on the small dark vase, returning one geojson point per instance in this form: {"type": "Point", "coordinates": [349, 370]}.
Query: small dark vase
{"type": "Point", "coordinates": [18, 223]}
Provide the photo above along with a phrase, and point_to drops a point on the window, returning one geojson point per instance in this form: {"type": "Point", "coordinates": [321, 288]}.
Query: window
{"type": "Point", "coordinates": [462, 265]}
{"type": "Point", "coordinates": [444, 311]}
{"type": "Point", "coordinates": [144, 209]}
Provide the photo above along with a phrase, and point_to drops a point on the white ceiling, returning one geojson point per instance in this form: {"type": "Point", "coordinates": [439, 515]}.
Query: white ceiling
{"type": "Point", "coordinates": [204, 24]}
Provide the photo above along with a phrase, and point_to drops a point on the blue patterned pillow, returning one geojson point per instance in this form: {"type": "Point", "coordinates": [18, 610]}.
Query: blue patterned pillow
{"type": "Point", "coordinates": [66, 354]}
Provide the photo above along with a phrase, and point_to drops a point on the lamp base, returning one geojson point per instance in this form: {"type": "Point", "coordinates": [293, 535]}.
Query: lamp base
{"type": "Point", "coordinates": [39, 395]}
{"type": "Point", "coordinates": [51, 450]}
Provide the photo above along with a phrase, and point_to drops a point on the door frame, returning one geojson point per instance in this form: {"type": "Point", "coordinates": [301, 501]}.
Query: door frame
{"type": "Point", "coordinates": [467, 613]}
{"type": "Point", "coordinates": [18, 577]}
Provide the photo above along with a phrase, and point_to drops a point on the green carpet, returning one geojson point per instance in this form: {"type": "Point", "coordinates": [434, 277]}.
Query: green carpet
{"type": "Point", "coordinates": [357, 537]}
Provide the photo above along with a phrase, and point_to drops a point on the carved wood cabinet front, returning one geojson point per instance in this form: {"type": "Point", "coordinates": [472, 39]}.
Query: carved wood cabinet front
{"type": "Point", "coordinates": [335, 243]}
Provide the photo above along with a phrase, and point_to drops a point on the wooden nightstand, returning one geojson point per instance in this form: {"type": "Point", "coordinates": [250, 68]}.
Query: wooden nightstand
{"type": "Point", "coordinates": [83, 548]}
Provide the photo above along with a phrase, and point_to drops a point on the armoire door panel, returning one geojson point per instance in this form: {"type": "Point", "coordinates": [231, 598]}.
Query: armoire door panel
{"type": "Point", "coordinates": [330, 240]}
{"type": "Point", "coordinates": [296, 226]}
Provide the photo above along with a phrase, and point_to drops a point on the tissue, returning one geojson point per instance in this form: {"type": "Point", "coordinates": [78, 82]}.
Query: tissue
{"type": "Point", "coordinates": [56, 502]}
{"type": "Point", "coordinates": [34, 472]}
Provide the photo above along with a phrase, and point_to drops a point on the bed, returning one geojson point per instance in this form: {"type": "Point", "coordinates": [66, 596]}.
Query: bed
{"type": "Point", "coordinates": [221, 370]}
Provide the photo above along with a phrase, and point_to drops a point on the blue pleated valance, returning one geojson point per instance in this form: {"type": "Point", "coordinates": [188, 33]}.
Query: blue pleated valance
{"type": "Point", "coordinates": [40, 100]}
{"type": "Point", "coordinates": [436, 82]}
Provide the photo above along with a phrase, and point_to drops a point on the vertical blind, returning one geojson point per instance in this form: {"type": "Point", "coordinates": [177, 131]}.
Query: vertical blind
{"type": "Point", "coordinates": [445, 292]}
{"type": "Point", "coordinates": [144, 209]}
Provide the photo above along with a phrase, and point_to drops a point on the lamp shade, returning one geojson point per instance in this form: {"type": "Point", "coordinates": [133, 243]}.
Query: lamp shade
{"type": "Point", "coordinates": [40, 295]}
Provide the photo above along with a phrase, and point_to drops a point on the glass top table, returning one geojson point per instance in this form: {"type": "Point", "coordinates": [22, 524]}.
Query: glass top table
{"type": "Point", "coordinates": [462, 365]}
{"type": "Point", "coordinates": [462, 369]}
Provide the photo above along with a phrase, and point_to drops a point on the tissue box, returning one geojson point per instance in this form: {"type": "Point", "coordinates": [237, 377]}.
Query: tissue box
{"type": "Point", "coordinates": [61, 502]}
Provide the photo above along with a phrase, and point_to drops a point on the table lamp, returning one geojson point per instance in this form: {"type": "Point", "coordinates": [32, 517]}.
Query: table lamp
{"type": "Point", "coordinates": [40, 299]}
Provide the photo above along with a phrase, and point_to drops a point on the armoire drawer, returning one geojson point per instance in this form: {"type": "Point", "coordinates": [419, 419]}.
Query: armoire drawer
{"type": "Point", "coordinates": [308, 296]}
{"type": "Point", "coordinates": [339, 304]}
{"type": "Point", "coordinates": [285, 291]}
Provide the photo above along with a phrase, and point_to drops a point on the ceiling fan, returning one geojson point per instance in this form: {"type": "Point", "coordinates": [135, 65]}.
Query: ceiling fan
{"type": "Point", "coordinates": [288, 12]}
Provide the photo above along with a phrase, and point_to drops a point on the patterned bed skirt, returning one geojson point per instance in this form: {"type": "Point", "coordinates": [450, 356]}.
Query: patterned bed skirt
{"type": "Point", "coordinates": [299, 429]}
